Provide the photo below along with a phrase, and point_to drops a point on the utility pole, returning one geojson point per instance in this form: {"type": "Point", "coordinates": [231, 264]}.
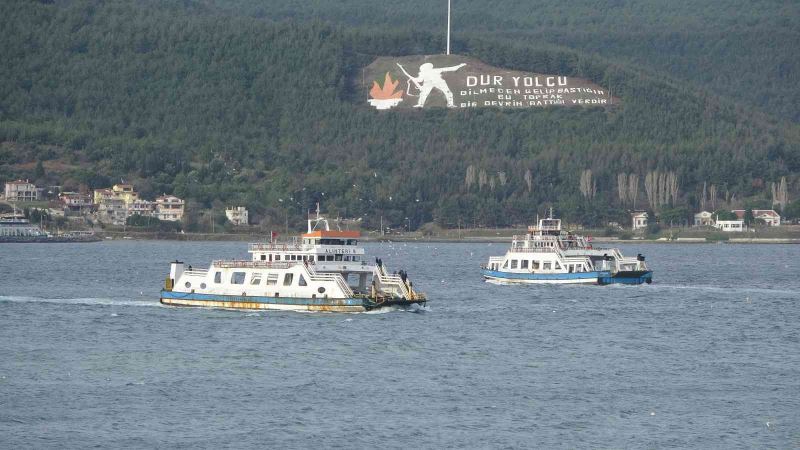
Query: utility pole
{"type": "Point", "coordinates": [448, 27]}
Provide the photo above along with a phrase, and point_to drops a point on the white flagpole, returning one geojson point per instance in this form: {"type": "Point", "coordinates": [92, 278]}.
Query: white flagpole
{"type": "Point", "coordinates": [448, 27]}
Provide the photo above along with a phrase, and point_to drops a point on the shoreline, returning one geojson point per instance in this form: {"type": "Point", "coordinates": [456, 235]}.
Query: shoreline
{"type": "Point", "coordinates": [236, 237]}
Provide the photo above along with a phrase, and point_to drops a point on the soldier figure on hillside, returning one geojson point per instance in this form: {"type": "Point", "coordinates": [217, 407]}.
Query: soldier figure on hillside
{"type": "Point", "coordinates": [430, 78]}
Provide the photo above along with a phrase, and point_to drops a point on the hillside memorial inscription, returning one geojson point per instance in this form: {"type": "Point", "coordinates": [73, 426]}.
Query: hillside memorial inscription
{"type": "Point", "coordinates": [460, 82]}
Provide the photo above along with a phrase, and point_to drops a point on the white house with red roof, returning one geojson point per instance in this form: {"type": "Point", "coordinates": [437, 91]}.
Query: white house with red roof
{"type": "Point", "coordinates": [769, 216]}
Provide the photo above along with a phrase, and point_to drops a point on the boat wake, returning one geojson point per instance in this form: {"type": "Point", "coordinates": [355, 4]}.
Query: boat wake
{"type": "Point", "coordinates": [726, 289]}
{"type": "Point", "coordinates": [414, 308]}
{"type": "Point", "coordinates": [79, 301]}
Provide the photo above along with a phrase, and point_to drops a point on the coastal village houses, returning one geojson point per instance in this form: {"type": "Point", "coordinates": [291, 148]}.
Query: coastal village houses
{"type": "Point", "coordinates": [769, 216]}
{"type": "Point", "coordinates": [704, 219]}
{"type": "Point", "coordinates": [639, 220]}
{"type": "Point", "coordinates": [237, 215]}
{"type": "Point", "coordinates": [22, 191]}
{"type": "Point", "coordinates": [75, 201]}
{"type": "Point", "coordinates": [115, 205]}
{"type": "Point", "coordinates": [730, 226]}
{"type": "Point", "coordinates": [169, 207]}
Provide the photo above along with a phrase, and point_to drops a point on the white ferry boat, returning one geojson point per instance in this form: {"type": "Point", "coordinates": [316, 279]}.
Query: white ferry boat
{"type": "Point", "coordinates": [15, 228]}
{"type": "Point", "coordinates": [549, 255]}
{"type": "Point", "coordinates": [326, 270]}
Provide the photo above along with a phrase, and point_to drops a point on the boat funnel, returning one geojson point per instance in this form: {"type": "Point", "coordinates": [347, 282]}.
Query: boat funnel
{"type": "Point", "coordinates": [175, 270]}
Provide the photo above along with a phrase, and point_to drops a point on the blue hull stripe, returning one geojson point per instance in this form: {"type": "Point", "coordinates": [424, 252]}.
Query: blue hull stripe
{"type": "Point", "coordinates": [267, 300]}
{"type": "Point", "coordinates": [545, 276]}
{"type": "Point", "coordinates": [646, 277]}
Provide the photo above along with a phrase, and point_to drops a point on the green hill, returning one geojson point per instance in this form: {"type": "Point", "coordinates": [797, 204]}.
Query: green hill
{"type": "Point", "coordinates": [741, 49]}
{"type": "Point", "coordinates": [225, 109]}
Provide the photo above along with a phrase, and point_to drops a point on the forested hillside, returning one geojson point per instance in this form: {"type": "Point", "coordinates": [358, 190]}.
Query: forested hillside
{"type": "Point", "coordinates": [224, 108]}
{"type": "Point", "coordinates": [743, 49]}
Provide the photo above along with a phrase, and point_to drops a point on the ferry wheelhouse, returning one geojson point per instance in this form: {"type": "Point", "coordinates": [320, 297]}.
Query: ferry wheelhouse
{"type": "Point", "coordinates": [549, 255]}
{"type": "Point", "coordinates": [323, 270]}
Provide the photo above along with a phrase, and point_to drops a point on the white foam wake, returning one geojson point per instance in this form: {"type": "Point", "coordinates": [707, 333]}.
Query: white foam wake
{"type": "Point", "coordinates": [79, 301]}
{"type": "Point", "coordinates": [727, 289]}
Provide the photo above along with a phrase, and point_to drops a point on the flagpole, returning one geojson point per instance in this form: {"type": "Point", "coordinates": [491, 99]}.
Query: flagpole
{"type": "Point", "coordinates": [448, 27]}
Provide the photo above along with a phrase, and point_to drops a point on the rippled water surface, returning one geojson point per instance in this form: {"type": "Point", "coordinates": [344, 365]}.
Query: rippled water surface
{"type": "Point", "coordinates": [708, 356]}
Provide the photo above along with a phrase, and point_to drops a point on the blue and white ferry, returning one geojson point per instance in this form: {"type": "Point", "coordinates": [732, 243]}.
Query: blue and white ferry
{"type": "Point", "coordinates": [325, 270]}
{"type": "Point", "coordinates": [549, 255]}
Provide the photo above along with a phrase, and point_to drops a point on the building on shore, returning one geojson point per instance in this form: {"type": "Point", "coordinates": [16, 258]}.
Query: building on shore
{"type": "Point", "coordinates": [124, 192]}
{"type": "Point", "coordinates": [141, 207]}
{"type": "Point", "coordinates": [730, 226]}
{"type": "Point", "coordinates": [115, 205]}
{"type": "Point", "coordinates": [769, 216]}
{"type": "Point", "coordinates": [704, 219]}
{"type": "Point", "coordinates": [170, 208]}
{"type": "Point", "coordinates": [639, 220]}
{"type": "Point", "coordinates": [113, 211]}
{"type": "Point", "coordinates": [75, 201]}
{"type": "Point", "coordinates": [237, 215]}
{"type": "Point", "coordinates": [22, 191]}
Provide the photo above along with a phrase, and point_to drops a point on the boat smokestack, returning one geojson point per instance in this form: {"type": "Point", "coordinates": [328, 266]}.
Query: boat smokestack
{"type": "Point", "coordinates": [175, 270]}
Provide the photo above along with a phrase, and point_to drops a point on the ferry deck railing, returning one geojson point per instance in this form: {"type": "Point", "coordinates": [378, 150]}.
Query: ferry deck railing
{"type": "Point", "coordinates": [243, 264]}
{"type": "Point", "coordinates": [335, 277]}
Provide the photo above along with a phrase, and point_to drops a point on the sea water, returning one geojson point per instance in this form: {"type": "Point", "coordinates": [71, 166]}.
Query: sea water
{"type": "Point", "coordinates": [708, 356]}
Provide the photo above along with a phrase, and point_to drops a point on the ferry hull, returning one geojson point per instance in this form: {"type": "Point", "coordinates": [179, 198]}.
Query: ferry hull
{"type": "Point", "coordinates": [628, 277]}
{"type": "Point", "coordinates": [277, 303]}
{"type": "Point", "coordinates": [494, 276]}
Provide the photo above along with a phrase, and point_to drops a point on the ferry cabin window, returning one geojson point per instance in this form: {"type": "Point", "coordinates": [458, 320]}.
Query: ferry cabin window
{"type": "Point", "coordinates": [338, 257]}
{"type": "Point", "coordinates": [287, 279]}
{"type": "Point", "coordinates": [237, 278]}
{"type": "Point", "coordinates": [277, 257]}
{"type": "Point", "coordinates": [263, 257]}
{"type": "Point", "coordinates": [535, 265]}
{"type": "Point", "coordinates": [302, 281]}
{"type": "Point", "coordinates": [272, 279]}
{"type": "Point", "coordinates": [218, 277]}
{"type": "Point", "coordinates": [546, 266]}
{"type": "Point", "coordinates": [523, 264]}
{"type": "Point", "coordinates": [557, 265]}
{"type": "Point", "coordinates": [256, 279]}
{"type": "Point", "coordinates": [311, 258]}
{"type": "Point", "coordinates": [329, 258]}
{"type": "Point", "coordinates": [505, 265]}
{"type": "Point", "coordinates": [513, 263]}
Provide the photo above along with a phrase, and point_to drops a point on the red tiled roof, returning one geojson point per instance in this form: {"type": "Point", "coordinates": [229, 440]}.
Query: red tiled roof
{"type": "Point", "coordinates": [757, 213]}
